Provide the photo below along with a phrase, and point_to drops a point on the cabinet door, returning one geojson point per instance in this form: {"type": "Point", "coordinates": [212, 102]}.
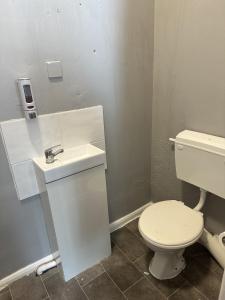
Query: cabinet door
{"type": "Point", "coordinates": [80, 215]}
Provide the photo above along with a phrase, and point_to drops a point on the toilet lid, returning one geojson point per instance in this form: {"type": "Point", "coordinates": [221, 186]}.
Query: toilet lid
{"type": "Point", "coordinates": [171, 223]}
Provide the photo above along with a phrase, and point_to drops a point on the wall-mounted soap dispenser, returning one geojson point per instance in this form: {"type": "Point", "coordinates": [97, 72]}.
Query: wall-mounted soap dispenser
{"type": "Point", "coordinates": [25, 89]}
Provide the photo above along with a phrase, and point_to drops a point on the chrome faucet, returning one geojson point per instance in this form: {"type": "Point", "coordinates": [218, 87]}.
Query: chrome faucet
{"type": "Point", "coordinates": [51, 152]}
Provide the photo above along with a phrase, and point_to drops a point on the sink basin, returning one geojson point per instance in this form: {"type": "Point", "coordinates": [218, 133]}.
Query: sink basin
{"type": "Point", "coordinates": [71, 161]}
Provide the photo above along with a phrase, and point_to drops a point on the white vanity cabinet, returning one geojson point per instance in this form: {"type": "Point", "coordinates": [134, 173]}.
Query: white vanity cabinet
{"type": "Point", "coordinates": [78, 207]}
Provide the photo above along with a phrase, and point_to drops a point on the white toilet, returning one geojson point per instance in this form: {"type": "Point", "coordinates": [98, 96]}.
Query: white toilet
{"type": "Point", "coordinates": [169, 226]}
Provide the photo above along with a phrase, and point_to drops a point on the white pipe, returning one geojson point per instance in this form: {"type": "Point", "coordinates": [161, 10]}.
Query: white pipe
{"type": "Point", "coordinates": [211, 242]}
{"type": "Point", "coordinates": [44, 267]}
{"type": "Point", "coordinates": [172, 140]}
{"type": "Point", "coordinates": [202, 200]}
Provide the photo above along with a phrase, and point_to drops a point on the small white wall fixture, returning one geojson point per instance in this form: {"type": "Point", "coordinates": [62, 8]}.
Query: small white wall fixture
{"type": "Point", "coordinates": [24, 140]}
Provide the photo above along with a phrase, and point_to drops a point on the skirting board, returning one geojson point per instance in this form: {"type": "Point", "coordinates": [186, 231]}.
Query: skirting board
{"type": "Point", "coordinates": [24, 271]}
{"type": "Point", "coordinates": [128, 218]}
{"type": "Point", "coordinates": [32, 267]}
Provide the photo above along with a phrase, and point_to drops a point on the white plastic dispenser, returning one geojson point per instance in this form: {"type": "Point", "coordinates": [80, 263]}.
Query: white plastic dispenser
{"type": "Point", "coordinates": [27, 99]}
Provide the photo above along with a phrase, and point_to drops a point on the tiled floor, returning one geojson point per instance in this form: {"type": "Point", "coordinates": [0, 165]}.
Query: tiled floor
{"type": "Point", "coordinates": [124, 275]}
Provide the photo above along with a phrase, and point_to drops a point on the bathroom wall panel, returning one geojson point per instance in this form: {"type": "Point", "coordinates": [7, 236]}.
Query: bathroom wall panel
{"type": "Point", "coordinates": [82, 126]}
{"type": "Point", "coordinates": [68, 129]}
{"type": "Point", "coordinates": [189, 93]}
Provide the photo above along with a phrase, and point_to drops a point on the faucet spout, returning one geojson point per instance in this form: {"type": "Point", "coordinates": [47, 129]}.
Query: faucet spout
{"type": "Point", "coordinates": [50, 153]}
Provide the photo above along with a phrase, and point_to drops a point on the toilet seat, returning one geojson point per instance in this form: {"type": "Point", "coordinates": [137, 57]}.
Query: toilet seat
{"type": "Point", "coordinates": [171, 225]}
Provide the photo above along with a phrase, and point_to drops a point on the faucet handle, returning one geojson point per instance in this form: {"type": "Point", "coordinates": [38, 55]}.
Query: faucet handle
{"type": "Point", "coordinates": [50, 153]}
{"type": "Point", "coordinates": [52, 148]}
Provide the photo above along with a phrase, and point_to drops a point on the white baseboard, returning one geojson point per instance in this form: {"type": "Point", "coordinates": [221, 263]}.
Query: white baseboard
{"type": "Point", "coordinates": [128, 218]}
{"type": "Point", "coordinates": [24, 271]}
{"type": "Point", "coordinates": [32, 267]}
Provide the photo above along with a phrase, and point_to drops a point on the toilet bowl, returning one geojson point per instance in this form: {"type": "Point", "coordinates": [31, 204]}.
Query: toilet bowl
{"type": "Point", "coordinates": [168, 227]}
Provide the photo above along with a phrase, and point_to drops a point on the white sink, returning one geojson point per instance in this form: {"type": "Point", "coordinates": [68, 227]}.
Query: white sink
{"type": "Point", "coordinates": [71, 161]}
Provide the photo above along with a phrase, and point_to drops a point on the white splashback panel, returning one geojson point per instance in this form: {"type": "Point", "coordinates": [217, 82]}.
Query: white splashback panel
{"type": "Point", "coordinates": [24, 140]}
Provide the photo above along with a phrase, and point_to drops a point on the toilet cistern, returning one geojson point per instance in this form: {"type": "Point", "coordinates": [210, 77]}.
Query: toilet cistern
{"type": "Point", "coordinates": [51, 152]}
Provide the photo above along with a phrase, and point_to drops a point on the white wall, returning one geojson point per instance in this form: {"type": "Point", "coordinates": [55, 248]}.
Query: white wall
{"type": "Point", "coordinates": [189, 91]}
{"type": "Point", "coordinates": [106, 48]}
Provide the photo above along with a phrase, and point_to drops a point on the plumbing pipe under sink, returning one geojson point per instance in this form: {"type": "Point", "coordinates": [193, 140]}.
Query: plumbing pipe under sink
{"type": "Point", "coordinates": [45, 267]}
{"type": "Point", "coordinates": [49, 264]}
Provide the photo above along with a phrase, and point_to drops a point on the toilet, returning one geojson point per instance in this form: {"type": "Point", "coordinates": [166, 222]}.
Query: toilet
{"type": "Point", "coordinates": [169, 227]}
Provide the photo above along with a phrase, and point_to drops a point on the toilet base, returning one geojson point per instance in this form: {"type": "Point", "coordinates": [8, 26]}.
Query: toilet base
{"type": "Point", "coordinates": [167, 265]}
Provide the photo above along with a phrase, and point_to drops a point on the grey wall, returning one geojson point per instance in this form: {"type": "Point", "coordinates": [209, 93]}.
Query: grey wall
{"type": "Point", "coordinates": [106, 48]}
{"type": "Point", "coordinates": [189, 93]}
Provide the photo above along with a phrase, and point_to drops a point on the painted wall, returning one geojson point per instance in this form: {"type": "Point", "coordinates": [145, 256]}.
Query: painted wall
{"type": "Point", "coordinates": [189, 91]}
{"type": "Point", "coordinates": [106, 48]}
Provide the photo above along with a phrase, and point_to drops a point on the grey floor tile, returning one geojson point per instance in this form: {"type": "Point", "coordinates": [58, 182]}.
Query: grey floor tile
{"type": "Point", "coordinates": [142, 263]}
{"type": "Point", "coordinates": [28, 288]}
{"type": "Point", "coordinates": [102, 288]}
{"type": "Point", "coordinates": [133, 227]}
{"type": "Point", "coordinates": [194, 250]}
{"type": "Point", "coordinates": [130, 244]}
{"type": "Point", "coordinates": [90, 274]}
{"type": "Point", "coordinates": [60, 290]}
{"type": "Point", "coordinates": [5, 295]}
{"type": "Point", "coordinates": [49, 273]}
{"type": "Point", "coordinates": [167, 287]}
{"type": "Point", "coordinates": [187, 292]}
{"type": "Point", "coordinates": [203, 279]}
{"type": "Point", "coordinates": [208, 261]}
{"type": "Point", "coordinates": [121, 270]}
{"type": "Point", "coordinates": [143, 290]}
